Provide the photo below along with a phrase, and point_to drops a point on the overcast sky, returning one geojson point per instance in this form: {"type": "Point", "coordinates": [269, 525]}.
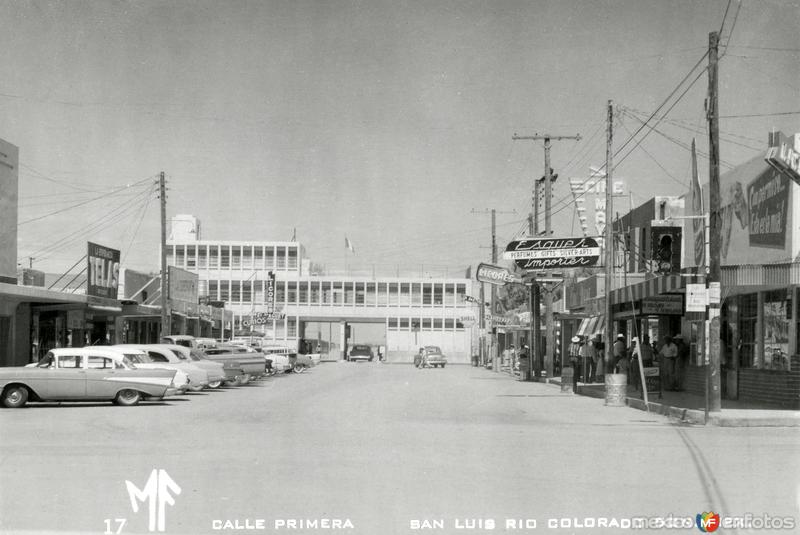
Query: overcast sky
{"type": "Point", "coordinates": [384, 121]}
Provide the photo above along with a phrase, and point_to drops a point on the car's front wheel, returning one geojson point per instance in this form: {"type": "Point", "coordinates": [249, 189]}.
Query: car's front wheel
{"type": "Point", "coordinates": [15, 397]}
{"type": "Point", "coordinates": [214, 384]}
{"type": "Point", "coordinates": [299, 368]}
{"type": "Point", "coordinates": [196, 388]}
{"type": "Point", "coordinates": [127, 397]}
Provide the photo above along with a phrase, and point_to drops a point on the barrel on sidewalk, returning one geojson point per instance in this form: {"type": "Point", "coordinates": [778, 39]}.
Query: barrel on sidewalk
{"type": "Point", "coordinates": [616, 389]}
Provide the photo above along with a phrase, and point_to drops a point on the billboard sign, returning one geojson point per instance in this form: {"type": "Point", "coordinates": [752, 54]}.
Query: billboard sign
{"type": "Point", "coordinates": [182, 285]}
{"type": "Point", "coordinates": [546, 253]}
{"type": "Point", "coordinates": [495, 274]}
{"type": "Point", "coordinates": [102, 275]}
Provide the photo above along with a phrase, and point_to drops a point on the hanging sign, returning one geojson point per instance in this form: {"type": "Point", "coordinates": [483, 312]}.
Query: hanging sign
{"type": "Point", "coordinates": [545, 253]}
{"type": "Point", "coordinates": [102, 272]}
{"type": "Point", "coordinates": [495, 274]}
{"type": "Point", "coordinates": [696, 298]}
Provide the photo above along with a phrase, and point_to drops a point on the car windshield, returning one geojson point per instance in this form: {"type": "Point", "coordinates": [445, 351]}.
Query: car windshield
{"type": "Point", "coordinates": [128, 362]}
{"type": "Point", "coordinates": [138, 358]}
{"type": "Point", "coordinates": [195, 355]}
{"type": "Point", "coordinates": [433, 349]}
{"type": "Point", "coordinates": [48, 361]}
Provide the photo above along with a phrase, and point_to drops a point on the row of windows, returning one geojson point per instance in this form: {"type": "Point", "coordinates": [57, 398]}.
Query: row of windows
{"type": "Point", "coordinates": [425, 324]}
{"type": "Point", "coordinates": [337, 293]}
{"type": "Point", "coordinates": [285, 328]}
{"type": "Point", "coordinates": [233, 256]}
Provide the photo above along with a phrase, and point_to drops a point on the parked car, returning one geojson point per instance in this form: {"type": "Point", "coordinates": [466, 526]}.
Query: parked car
{"type": "Point", "coordinates": [361, 352]}
{"type": "Point", "coordinates": [143, 361]}
{"type": "Point", "coordinates": [83, 374]}
{"type": "Point", "coordinates": [254, 365]}
{"type": "Point", "coordinates": [198, 377]}
{"type": "Point", "coordinates": [283, 357]}
{"type": "Point", "coordinates": [434, 357]}
{"type": "Point", "coordinates": [215, 370]}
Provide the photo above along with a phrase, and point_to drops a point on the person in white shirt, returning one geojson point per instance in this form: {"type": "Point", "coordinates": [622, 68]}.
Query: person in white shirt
{"type": "Point", "coordinates": [669, 355]}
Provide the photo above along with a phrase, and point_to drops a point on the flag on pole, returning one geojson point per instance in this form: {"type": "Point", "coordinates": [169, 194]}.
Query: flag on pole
{"type": "Point", "coordinates": [348, 245]}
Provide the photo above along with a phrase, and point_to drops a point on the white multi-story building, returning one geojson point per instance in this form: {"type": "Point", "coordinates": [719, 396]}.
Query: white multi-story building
{"type": "Point", "coordinates": [331, 312]}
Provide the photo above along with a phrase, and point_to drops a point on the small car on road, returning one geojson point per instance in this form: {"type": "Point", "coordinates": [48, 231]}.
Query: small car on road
{"type": "Point", "coordinates": [83, 374]}
{"type": "Point", "coordinates": [361, 352]}
{"type": "Point", "coordinates": [434, 357]}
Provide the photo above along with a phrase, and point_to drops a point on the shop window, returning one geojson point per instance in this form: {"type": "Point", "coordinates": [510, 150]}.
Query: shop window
{"type": "Point", "coordinates": [393, 298]}
{"type": "Point", "coordinates": [777, 315]}
{"type": "Point", "coordinates": [459, 325]}
{"type": "Point", "coordinates": [382, 297]}
{"type": "Point", "coordinates": [748, 317]}
{"type": "Point", "coordinates": [449, 324]}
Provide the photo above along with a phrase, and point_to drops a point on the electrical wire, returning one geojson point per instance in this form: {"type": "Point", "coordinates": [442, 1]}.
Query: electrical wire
{"type": "Point", "coordinates": [136, 231]}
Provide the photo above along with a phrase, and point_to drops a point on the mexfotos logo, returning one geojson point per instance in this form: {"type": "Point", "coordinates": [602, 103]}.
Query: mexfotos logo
{"type": "Point", "coordinates": [158, 492]}
{"type": "Point", "coordinates": [707, 522]}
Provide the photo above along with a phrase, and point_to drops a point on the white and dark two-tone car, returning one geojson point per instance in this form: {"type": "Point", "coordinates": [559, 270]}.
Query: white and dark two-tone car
{"type": "Point", "coordinates": [83, 374]}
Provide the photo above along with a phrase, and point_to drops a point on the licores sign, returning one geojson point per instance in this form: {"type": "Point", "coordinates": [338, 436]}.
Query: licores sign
{"type": "Point", "coordinates": [102, 275]}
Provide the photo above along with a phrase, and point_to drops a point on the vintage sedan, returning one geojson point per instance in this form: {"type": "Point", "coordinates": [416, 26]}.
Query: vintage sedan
{"type": "Point", "coordinates": [434, 357]}
{"type": "Point", "coordinates": [83, 374]}
{"type": "Point", "coordinates": [198, 377]}
{"type": "Point", "coordinates": [361, 352]}
{"type": "Point", "coordinates": [215, 370]}
{"type": "Point", "coordinates": [254, 364]}
{"type": "Point", "coordinates": [143, 361]}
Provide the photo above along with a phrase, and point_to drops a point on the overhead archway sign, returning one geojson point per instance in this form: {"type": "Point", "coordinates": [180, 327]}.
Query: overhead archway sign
{"type": "Point", "coordinates": [547, 253]}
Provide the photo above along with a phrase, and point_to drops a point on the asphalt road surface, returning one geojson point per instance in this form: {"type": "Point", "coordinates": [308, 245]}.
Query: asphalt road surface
{"type": "Point", "coordinates": [375, 448]}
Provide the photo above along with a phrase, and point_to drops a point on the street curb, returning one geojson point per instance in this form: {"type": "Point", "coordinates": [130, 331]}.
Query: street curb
{"type": "Point", "coordinates": [697, 416]}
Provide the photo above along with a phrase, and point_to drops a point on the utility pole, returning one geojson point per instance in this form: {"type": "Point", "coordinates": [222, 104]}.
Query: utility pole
{"type": "Point", "coordinates": [608, 356]}
{"type": "Point", "coordinates": [714, 276]}
{"type": "Point", "coordinates": [165, 315]}
{"type": "Point", "coordinates": [543, 361]}
{"type": "Point", "coordinates": [482, 311]}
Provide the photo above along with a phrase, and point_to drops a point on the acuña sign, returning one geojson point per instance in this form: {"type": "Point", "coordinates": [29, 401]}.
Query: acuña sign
{"type": "Point", "coordinates": [544, 253]}
{"type": "Point", "coordinates": [495, 274]}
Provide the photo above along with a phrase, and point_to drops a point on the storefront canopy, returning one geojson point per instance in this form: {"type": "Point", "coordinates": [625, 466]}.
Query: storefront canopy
{"type": "Point", "coordinates": [649, 288]}
{"type": "Point", "coordinates": [591, 327]}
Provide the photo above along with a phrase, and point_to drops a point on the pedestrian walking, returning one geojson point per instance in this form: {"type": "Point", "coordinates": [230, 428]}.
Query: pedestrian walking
{"type": "Point", "coordinates": [620, 355]}
{"type": "Point", "coordinates": [599, 359]}
{"type": "Point", "coordinates": [575, 358]}
{"type": "Point", "coordinates": [588, 355]}
{"type": "Point", "coordinates": [419, 357]}
{"type": "Point", "coordinates": [668, 355]}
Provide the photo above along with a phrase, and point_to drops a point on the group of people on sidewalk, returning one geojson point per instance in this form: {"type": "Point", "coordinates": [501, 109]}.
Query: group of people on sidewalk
{"type": "Point", "coordinates": [587, 358]}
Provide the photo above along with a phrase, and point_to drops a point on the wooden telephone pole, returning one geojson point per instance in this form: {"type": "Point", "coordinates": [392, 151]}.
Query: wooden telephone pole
{"type": "Point", "coordinates": [715, 238]}
{"type": "Point", "coordinates": [542, 361]}
{"type": "Point", "coordinates": [165, 315]}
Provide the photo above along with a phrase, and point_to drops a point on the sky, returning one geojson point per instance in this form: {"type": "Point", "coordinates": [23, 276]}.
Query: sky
{"type": "Point", "coordinates": [386, 122]}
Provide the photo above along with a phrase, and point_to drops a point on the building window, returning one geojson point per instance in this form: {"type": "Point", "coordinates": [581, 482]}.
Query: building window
{"type": "Point", "coordinates": [202, 256]}
{"type": "Point", "coordinates": [170, 255]}
{"type": "Point", "coordinates": [180, 256]}
{"type": "Point", "coordinates": [349, 293]}
{"type": "Point", "coordinates": [213, 256]}
{"type": "Point", "coordinates": [450, 295]}
{"type": "Point", "coordinates": [291, 327]}
{"type": "Point", "coordinates": [191, 256]}
{"type": "Point", "coordinates": [427, 294]}
{"type": "Point", "coordinates": [292, 263]}
{"type": "Point", "coordinates": [459, 325]}
{"type": "Point", "coordinates": [291, 292]}
{"type": "Point", "coordinates": [202, 287]}
{"type": "Point", "coordinates": [437, 324]}
{"type": "Point", "coordinates": [437, 294]}
{"type": "Point", "coordinates": [280, 292]}
{"type": "Point", "coordinates": [404, 324]}
{"type": "Point", "coordinates": [327, 293]}
{"type": "Point", "coordinates": [225, 257]}
{"type": "Point", "coordinates": [213, 290]}
{"type": "Point", "coordinates": [302, 293]}
{"type": "Point", "coordinates": [316, 294]}
{"type": "Point", "coordinates": [259, 295]}
{"type": "Point", "coordinates": [449, 324]}
{"type": "Point", "coordinates": [247, 257]}
{"type": "Point", "coordinates": [416, 293]}
{"type": "Point", "coordinates": [382, 297]}
{"type": "Point", "coordinates": [427, 324]}
{"type": "Point", "coordinates": [405, 294]}
{"type": "Point", "coordinates": [236, 257]}
{"type": "Point", "coordinates": [247, 292]}
{"type": "Point", "coordinates": [269, 257]}
{"type": "Point", "coordinates": [224, 291]}
{"type": "Point", "coordinates": [748, 318]}
{"type": "Point", "coordinates": [393, 323]}
{"type": "Point", "coordinates": [338, 293]}
{"type": "Point", "coordinates": [258, 257]}
{"type": "Point", "coordinates": [461, 291]}
{"type": "Point", "coordinates": [393, 293]}
{"type": "Point", "coordinates": [281, 258]}
{"type": "Point", "coordinates": [359, 293]}
{"type": "Point", "coordinates": [236, 292]}
{"type": "Point", "coordinates": [370, 294]}
{"type": "Point", "coordinates": [777, 315]}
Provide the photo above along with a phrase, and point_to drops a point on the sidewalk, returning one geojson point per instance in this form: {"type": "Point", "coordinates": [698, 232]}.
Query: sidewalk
{"type": "Point", "coordinates": [689, 408]}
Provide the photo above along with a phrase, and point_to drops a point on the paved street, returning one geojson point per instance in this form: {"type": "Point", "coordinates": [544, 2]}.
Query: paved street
{"type": "Point", "coordinates": [385, 448]}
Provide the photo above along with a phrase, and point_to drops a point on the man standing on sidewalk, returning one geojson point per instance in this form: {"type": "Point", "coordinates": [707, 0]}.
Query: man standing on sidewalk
{"type": "Point", "coordinates": [669, 354]}
{"type": "Point", "coordinates": [681, 362]}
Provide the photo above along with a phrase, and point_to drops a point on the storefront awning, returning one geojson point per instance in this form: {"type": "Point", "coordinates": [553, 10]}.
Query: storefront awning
{"type": "Point", "coordinates": [591, 327]}
{"type": "Point", "coordinates": [648, 288]}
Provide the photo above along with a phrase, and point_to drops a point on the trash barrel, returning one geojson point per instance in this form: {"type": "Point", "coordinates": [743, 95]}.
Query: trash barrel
{"type": "Point", "coordinates": [566, 380]}
{"type": "Point", "coordinates": [616, 387]}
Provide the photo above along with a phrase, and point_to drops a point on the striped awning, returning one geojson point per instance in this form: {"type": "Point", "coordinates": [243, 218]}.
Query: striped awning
{"type": "Point", "coordinates": [648, 288]}
{"type": "Point", "coordinates": [590, 327]}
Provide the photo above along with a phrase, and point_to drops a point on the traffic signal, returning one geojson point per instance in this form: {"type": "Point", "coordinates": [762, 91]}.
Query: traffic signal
{"type": "Point", "coordinates": [666, 243]}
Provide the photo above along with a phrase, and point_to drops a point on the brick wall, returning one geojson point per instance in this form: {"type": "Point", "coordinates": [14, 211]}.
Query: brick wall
{"type": "Point", "coordinates": [771, 386]}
